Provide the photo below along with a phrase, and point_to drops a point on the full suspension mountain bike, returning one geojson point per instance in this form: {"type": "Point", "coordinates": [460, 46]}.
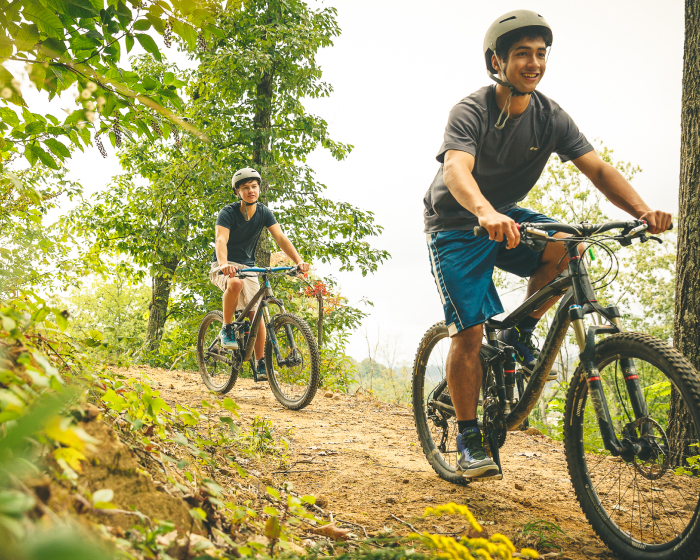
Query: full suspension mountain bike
{"type": "Point", "coordinates": [634, 468]}
{"type": "Point", "coordinates": [292, 358]}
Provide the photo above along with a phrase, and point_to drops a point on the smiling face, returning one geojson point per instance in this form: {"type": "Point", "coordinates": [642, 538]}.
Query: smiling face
{"type": "Point", "coordinates": [249, 191]}
{"type": "Point", "coordinates": [525, 63]}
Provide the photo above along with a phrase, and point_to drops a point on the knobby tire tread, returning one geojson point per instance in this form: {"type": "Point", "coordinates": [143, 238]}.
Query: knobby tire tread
{"type": "Point", "coordinates": [233, 376]}
{"type": "Point", "coordinates": [421, 420]}
{"type": "Point", "coordinates": [686, 380]}
{"type": "Point", "coordinates": [310, 339]}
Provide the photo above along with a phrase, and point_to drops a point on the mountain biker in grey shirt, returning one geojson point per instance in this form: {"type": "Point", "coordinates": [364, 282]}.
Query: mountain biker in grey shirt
{"type": "Point", "coordinates": [496, 145]}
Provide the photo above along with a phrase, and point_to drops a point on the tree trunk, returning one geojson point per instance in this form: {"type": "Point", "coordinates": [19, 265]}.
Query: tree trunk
{"type": "Point", "coordinates": [262, 123]}
{"type": "Point", "coordinates": [686, 331]}
{"type": "Point", "coordinates": [158, 308]}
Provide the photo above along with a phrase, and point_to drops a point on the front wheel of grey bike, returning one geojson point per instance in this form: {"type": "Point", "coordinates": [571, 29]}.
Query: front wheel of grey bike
{"type": "Point", "coordinates": [295, 376]}
{"type": "Point", "coordinates": [645, 506]}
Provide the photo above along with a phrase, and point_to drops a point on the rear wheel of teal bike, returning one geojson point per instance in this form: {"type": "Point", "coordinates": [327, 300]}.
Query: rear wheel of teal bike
{"type": "Point", "coordinates": [294, 377]}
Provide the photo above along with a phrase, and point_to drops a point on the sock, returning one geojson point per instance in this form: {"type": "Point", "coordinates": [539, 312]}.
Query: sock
{"type": "Point", "coordinates": [528, 323]}
{"type": "Point", "coordinates": [464, 424]}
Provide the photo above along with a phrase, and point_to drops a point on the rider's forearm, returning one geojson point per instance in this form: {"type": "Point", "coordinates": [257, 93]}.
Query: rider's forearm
{"type": "Point", "coordinates": [617, 190]}
{"type": "Point", "coordinates": [463, 187]}
{"type": "Point", "coordinates": [221, 251]}
{"type": "Point", "coordinates": [289, 250]}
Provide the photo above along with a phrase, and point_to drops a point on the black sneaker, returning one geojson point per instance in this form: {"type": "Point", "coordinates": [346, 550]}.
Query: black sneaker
{"type": "Point", "coordinates": [228, 337]}
{"type": "Point", "coordinates": [526, 353]}
{"type": "Point", "coordinates": [260, 370]}
{"type": "Point", "coordinates": [473, 461]}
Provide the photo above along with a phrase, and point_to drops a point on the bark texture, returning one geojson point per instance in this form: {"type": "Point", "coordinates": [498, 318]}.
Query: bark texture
{"type": "Point", "coordinates": [686, 331]}
{"type": "Point", "coordinates": [262, 123]}
{"type": "Point", "coordinates": [158, 308]}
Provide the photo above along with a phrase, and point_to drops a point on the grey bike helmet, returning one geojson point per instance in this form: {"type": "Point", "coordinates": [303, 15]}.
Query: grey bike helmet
{"type": "Point", "coordinates": [245, 174]}
{"type": "Point", "coordinates": [507, 23]}
{"type": "Point", "coordinates": [511, 21]}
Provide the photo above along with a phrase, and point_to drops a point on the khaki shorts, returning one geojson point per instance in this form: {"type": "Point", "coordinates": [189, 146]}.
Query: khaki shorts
{"type": "Point", "coordinates": [251, 285]}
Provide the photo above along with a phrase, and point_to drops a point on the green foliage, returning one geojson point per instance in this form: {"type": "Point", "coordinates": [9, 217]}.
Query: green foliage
{"type": "Point", "coordinates": [63, 43]}
{"type": "Point", "coordinates": [32, 253]}
{"type": "Point", "coordinates": [542, 534]}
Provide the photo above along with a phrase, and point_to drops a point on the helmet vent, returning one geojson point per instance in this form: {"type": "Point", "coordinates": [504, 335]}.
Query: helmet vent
{"type": "Point", "coordinates": [508, 19]}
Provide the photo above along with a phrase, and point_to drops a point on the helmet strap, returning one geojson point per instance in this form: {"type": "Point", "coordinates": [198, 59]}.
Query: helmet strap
{"type": "Point", "coordinates": [513, 93]}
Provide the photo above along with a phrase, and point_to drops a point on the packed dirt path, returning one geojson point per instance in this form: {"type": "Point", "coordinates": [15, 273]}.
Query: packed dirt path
{"type": "Point", "coordinates": [362, 460]}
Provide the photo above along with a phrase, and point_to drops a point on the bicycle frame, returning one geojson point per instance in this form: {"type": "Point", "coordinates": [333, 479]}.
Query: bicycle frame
{"type": "Point", "coordinates": [579, 300]}
{"type": "Point", "coordinates": [266, 295]}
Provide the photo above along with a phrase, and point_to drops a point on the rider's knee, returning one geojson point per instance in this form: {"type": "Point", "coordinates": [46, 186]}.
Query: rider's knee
{"type": "Point", "coordinates": [469, 339]}
{"type": "Point", "coordinates": [234, 284]}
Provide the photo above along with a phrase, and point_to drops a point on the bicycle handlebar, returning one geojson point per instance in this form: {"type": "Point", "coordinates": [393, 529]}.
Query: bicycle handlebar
{"type": "Point", "coordinates": [579, 230]}
{"type": "Point", "coordinates": [242, 271]}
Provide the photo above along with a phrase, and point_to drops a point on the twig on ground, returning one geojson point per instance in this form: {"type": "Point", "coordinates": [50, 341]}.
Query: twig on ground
{"type": "Point", "coordinates": [353, 524]}
{"type": "Point", "coordinates": [287, 472]}
{"type": "Point", "coordinates": [405, 523]}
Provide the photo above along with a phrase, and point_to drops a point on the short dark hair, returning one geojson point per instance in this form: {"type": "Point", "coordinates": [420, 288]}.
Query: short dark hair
{"type": "Point", "coordinates": [505, 42]}
{"type": "Point", "coordinates": [242, 181]}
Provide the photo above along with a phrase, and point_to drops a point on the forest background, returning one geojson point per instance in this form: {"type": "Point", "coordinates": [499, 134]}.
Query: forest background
{"type": "Point", "coordinates": [107, 257]}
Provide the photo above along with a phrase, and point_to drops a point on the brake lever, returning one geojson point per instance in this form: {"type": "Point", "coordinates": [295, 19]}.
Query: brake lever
{"type": "Point", "coordinates": [644, 238]}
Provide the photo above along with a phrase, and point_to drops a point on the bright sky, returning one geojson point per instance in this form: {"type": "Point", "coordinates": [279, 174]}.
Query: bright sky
{"type": "Point", "coordinates": [399, 67]}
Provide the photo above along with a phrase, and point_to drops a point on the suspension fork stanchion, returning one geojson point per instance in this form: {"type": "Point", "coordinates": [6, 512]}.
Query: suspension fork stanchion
{"type": "Point", "coordinates": [585, 296]}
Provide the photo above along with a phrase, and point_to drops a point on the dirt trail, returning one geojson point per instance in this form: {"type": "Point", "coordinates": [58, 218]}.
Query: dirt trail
{"type": "Point", "coordinates": [362, 460]}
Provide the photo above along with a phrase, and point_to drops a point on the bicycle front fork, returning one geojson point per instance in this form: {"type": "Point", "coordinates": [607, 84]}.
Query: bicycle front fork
{"type": "Point", "coordinates": [273, 338]}
{"type": "Point", "coordinates": [586, 341]}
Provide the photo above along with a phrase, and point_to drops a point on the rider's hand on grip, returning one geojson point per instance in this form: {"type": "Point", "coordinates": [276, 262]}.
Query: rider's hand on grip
{"type": "Point", "coordinates": [228, 270]}
{"type": "Point", "coordinates": [499, 226]}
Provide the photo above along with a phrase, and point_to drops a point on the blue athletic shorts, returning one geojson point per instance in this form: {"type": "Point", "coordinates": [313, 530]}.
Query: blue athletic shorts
{"type": "Point", "coordinates": [462, 266]}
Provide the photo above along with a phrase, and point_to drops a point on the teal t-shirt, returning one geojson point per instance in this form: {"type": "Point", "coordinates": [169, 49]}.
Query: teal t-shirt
{"type": "Point", "coordinates": [243, 234]}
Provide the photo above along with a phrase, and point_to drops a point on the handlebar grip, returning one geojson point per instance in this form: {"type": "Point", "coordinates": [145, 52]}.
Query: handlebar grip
{"type": "Point", "coordinates": [481, 232]}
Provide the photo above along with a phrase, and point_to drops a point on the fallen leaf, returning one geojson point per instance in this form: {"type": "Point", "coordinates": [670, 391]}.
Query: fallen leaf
{"type": "Point", "coordinates": [332, 531]}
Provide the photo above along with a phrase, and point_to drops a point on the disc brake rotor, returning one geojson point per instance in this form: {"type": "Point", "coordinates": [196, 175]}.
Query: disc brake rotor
{"type": "Point", "coordinates": [652, 469]}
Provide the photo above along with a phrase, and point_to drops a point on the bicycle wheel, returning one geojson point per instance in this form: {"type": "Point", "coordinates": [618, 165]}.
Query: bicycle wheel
{"type": "Point", "coordinates": [641, 509]}
{"type": "Point", "coordinates": [217, 366]}
{"type": "Point", "coordinates": [435, 423]}
{"type": "Point", "coordinates": [294, 379]}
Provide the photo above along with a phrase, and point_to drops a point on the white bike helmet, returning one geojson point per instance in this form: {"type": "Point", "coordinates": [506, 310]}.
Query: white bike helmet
{"type": "Point", "coordinates": [245, 174]}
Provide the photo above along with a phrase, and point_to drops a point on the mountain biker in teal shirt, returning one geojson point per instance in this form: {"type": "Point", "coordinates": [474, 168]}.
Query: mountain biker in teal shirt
{"type": "Point", "coordinates": [238, 227]}
{"type": "Point", "coordinates": [496, 144]}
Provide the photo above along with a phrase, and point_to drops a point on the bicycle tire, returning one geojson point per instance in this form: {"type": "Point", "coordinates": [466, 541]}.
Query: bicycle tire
{"type": "Point", "coordinates": [435, 458]}
{"type": "Point", "coordinates": [314, 358]}
{"type": "Point", "coordinates": [586, 479]}
{"type": "Point", "coordinates": [209, 318]}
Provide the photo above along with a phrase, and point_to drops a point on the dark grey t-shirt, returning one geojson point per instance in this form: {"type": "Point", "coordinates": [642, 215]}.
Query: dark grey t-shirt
{"type": "Point", "coordinates": [507, 162]}
{"type": "Point", "coordinates": [243, 235]}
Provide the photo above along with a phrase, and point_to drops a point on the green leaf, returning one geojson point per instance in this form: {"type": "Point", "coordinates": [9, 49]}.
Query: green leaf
{"type": "Point", "coordinates": [231, 406]}
{"type": "Point", "coordinates": [57, 148]}
{"type": "Point", "coordinates": [273, 492]}
{"type": "Point", "coordinates": [188, 34]}
{"type": "Point", "coordinates": [117, 401]}
{"type": "Point", "coordinates": [26, 37]}
{"type": "Point", "coordinates": [148, 44]}
{"type": "Point", "coordinates": [45, 157]}
{"type": "Point", "coordinates": [36, 127]}
{"type": "Point", "coordinates": [45, 19]}
{"type": "Point", "coordinates": [83, 42]}
{"type": "Point", "coordinates": [273, 530]}
{"type": "Point", "coordinates": [129, 40]}
{"type": "Point", "coordinates": [61, 321]}
{"type": "Point", "coordinates": [142, 25]}
{"type": "Point", "coordinates": [15, 503]}
{"type": "Point", "coordinates": [74, 8]}
{"type": "Point", "coordinates": [198, 514]}
{"type": "Point", "coordinates": [9, 116]}
{"type": "Point", "coordinates": [8, 87]}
